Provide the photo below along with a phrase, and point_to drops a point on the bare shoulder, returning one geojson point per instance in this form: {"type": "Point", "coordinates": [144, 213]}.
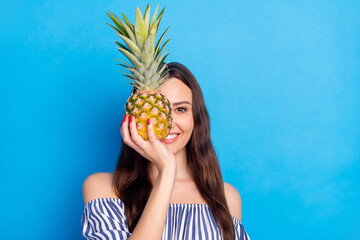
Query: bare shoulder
{"type": "Point", "coordinates": [98, 185]}
{"type": "Point", "coordinates": [233, 199]}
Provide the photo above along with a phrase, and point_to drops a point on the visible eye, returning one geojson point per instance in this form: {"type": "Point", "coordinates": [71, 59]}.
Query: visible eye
{"type": "Point", "coordinates": [181, 109]}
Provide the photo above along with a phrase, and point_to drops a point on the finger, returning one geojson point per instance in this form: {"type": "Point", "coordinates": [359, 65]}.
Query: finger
{"type": "Point", "coordinates": [150, 131]}
{"type": "Point", "coordinates": [124, 119]}
{"type": "Point", "coordinates": [138, 140]}
{"type": "Point", "coordinates": [124, 130]}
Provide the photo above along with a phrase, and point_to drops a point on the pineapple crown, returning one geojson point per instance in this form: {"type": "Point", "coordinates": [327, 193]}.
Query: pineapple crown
{"type": "Point", "coordinates": [149, 68]}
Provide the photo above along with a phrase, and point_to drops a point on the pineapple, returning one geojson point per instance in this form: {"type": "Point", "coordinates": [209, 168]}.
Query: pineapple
{"type": "Point", "coordinates": [147, 72]}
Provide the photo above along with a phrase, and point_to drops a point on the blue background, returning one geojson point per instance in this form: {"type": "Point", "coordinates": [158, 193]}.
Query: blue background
{"type": "Point", "coordinates": [280, 80]}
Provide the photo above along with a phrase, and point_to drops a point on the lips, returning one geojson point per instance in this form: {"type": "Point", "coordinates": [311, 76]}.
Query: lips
{"type": "Point", "coordinates": [172, 137]}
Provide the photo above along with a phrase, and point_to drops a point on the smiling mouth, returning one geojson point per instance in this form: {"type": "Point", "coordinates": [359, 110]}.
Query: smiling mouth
{"type": "Point", "coordinates": [172, 137]}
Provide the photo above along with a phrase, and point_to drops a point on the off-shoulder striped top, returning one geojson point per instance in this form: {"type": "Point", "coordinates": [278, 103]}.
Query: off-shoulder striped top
{"type": "Point", "coordinates": [105, 218]}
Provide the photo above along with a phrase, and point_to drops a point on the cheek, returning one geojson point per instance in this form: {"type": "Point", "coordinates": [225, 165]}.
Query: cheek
{"type": "Point", "coordinates": [186, 124]}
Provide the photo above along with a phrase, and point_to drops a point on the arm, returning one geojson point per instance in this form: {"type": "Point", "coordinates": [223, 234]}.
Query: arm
{"type": "Point", "coordinates": [152, 221]}
{"type": "Point", "coordinates": [233, 200]}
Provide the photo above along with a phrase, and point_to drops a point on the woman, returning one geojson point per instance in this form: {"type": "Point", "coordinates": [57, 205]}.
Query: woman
{"type": "Point", "coordinates": [170, 189]}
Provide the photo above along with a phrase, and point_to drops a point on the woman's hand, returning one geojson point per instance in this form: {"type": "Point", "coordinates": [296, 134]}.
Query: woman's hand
{"type": "Point", "coordinates": [153, 150]}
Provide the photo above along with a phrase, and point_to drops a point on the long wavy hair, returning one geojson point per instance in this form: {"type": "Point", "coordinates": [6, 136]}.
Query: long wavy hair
{"type": "Point", "coordinates": [131, 180]}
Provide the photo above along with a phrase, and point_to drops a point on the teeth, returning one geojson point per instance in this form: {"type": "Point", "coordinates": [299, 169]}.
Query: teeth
{"type": "Point", "coordinates": [171, 136]}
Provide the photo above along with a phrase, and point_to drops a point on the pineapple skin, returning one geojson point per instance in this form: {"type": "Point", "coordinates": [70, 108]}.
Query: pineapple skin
{"type": "Point", "coordinates": [151, 105]}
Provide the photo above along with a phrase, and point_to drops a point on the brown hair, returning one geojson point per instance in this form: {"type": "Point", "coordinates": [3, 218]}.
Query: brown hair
{"type": "Point", "coordinates": [131, 177]}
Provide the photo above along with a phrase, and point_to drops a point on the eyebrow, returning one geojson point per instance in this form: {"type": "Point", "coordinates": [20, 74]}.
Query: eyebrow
{"type": "Point", "coordinates": [182, 102]}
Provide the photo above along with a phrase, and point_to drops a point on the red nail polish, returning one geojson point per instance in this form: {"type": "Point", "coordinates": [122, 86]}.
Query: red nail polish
{"type": "Point", "coordinates": [148, 122]}
{"type": "Point", "coordinates": [121, 124]}
{"type": "Point", "coordinates": [131, 118]}
{"type": "Point", "coordinates": [124, 119]}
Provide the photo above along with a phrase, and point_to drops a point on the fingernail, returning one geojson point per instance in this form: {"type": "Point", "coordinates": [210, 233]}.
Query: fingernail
{"type": "Point", "coordinates": [121, 124]}
{"type": "Point", "coordinates": [124, 119]}
{"type": "Point", "coordinates": [148, 122]}
{"type": "Point", "coordinates": [131, 118]}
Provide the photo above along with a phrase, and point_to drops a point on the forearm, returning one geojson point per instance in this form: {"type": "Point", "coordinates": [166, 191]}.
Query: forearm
{"type": "Point", "coordinates": [152, 221]}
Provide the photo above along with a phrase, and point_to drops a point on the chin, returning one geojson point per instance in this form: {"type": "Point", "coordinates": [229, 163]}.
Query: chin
{"type": "Point", "coordinates": [173, 149]}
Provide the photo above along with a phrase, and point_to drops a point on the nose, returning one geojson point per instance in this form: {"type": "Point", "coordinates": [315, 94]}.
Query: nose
{"type": "Point", "coordinates": [173, 122]}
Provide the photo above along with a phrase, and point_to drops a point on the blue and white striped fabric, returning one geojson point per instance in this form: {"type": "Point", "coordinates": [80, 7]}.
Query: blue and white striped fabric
{"type": "Point", "coordinates": [105, 218]}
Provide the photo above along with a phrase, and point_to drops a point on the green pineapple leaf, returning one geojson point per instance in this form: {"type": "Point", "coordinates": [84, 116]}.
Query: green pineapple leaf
{"type": "Point", "coordinates": [124, 66]}
{"type": "Point", "coordinates": [154, 67]}
{"type": "Point", "coordinates": [118, 22]}
{"type": "Point", "coordinates": [139, 85]}
{"type": "Point", "coordinates": [120, 28]}
{"type": "Point", "coordinates": [164, 73]}
{"type": "Point", "coordinates": [148, 51]}
{"type": "Point", "coordinates": [153, 20]}
{"type": "Point", "coordinates": [128, 23]}
{"type": "Point", "coordinates": [156, 25]}
{"type": "Point", "coordinates": [161, 49]}
{"type": "Point", "coordinates": [121, 46]}
{"type": "Point", "coordinates": [132, 46]}
{"type": "Point", "coordinates": [155, 81]}
{"type": "Point", "coordinates": [127, 75]}
{"type": "Point", "coordinates": [118, 31]}
{"type": "Point", "coordinates": [147, 16]}
{"type": "Point", "coordinates": [163, 57]}
{"type": "Point", "coordinates": [123, 62]}
{"type": "Point", "coordinates": [140, 29]}
{"type": "Point", "coordinates": [136, 73]}
{"type": "Point", "coordinates": [133, 60]}
{"type": "Point", "coordinates": [163, 66]}
{"type": "Point", "coordinates": [159, 18]}
{"type": "Point", "coordinates": [160, 40]}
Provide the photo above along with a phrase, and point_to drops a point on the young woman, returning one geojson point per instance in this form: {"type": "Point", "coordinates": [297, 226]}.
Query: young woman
{"type": "Point", "coordinates": [170, 189]}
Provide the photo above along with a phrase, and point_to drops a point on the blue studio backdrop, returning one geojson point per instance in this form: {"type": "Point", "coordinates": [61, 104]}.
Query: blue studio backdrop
{"type": "Point", "coordinates": [280, 80]}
